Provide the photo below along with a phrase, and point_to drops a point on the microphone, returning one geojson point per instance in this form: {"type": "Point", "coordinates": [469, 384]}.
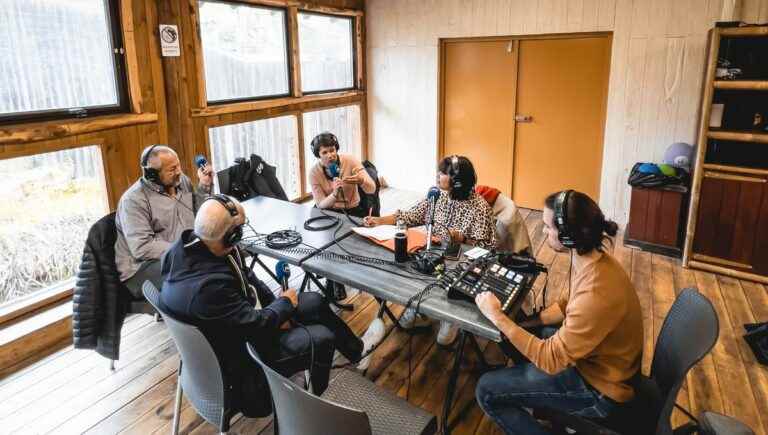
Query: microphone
{"type": "Point", "coordinates": [334, 171]}
{"type": "Point", "coordinates": [200, 161]}
{"type": "Point", "coordinates": [432, 196]}
{"type": "Point", "coordinates": [283, 272]}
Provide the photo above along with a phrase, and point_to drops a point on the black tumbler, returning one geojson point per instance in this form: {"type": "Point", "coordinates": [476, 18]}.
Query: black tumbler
{"type": "Point", "coordinates": [401, 247]}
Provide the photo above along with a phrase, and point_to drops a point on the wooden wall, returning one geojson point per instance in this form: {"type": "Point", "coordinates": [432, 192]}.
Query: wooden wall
{"type": "Point", "coordinates": [121, 137]}
{"type": "Point", "coordinates": [657, 66]}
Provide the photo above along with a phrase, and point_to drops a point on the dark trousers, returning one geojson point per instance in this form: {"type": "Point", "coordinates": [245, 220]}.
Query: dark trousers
{"type": "Point", "coordinates": [148, 271]}
{"type": "Point", "coordinates": [504, 394]}
{"type": "Point", "coordinates": [317, 331]}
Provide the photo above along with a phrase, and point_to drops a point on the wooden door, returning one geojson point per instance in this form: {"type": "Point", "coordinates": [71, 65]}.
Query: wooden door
{"type": "Point", "coordinates": [729, 220]}
{"type": "Point", "coordinates": [478, 107]}
{"type": "Point", "coordinates": [563, 87]}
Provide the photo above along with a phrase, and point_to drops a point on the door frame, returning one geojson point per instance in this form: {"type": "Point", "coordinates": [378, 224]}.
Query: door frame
{"type": "Point", "coordinates": [515, 40]}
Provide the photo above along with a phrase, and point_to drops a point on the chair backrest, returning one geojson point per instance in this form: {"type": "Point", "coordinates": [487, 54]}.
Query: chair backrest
{"type": "Point", "coordinates": [689, 332]}
{"type": "Point", "coordinates": [201, 376]}
{"type": "Point", "coordinates": [298, 412]}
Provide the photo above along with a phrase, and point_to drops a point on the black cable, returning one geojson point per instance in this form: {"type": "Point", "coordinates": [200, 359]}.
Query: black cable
{"type": "Point", "coordinates": [283, 239]}
{"type": "Point", "coordinates": [688, 414]}
{"type": "Point", "coordinates": [309, 227]}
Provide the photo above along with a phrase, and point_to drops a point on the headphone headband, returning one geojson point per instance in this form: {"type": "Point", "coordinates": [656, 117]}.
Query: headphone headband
{"type": "Point", "coordinates": [561, 219]}
{"type": "Point", "coordinates": [148, 172]}
{"type": "Point", "coordinates": [234, 234]}
{"type": "Point", "coordinates": [325, 138]}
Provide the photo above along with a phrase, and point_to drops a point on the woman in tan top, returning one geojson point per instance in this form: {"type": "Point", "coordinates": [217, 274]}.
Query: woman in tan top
{"type": "Point", "coordinates": [335, 177]}
{"type": "Point", "coordinates": [584, 366]}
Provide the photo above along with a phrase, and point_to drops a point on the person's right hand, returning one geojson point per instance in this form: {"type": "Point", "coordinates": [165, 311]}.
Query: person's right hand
{"type": "Point", "coordinates": [371, 221]}
{"type": "Point", "coordinates": [337, 184]}
{"type": "Point", "coordinates": [292, 296]}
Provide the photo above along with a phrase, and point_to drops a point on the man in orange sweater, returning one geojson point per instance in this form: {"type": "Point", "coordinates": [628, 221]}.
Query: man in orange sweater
{"type": "Point", "coordinates": [582, 367]}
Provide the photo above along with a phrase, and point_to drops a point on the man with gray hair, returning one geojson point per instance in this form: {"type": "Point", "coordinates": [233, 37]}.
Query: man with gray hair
{"type": "Point", "coordinates": [152, 214]}
{"type": "Point", "coordinates": [207, 283]}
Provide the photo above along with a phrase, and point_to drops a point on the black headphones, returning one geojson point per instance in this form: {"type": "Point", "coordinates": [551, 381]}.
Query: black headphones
{"type": "Point", "coordinates": [149, 173]}
{"type": "Point", "coordinates": [234, 234]}
{"type": "Point", "coordinates": [325, 138]}
{"type": "Point", "coordinates": [561, 219]}
{"type": "Point", "coordinates": [454, 173]}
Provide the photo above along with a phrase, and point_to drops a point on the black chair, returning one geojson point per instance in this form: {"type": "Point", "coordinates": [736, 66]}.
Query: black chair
{"type": "Point", "coordinates": [689, 332]}
{"type": "Point", "coordinates": [352, 405]}
{"type": "Point", "coordinates": [200, 376]}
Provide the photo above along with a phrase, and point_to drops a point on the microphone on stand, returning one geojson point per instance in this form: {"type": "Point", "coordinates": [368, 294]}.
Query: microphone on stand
{"type": "Point", "coordinates": [432, 196]}
{"type": "Point", "coordinates": [283, 272]}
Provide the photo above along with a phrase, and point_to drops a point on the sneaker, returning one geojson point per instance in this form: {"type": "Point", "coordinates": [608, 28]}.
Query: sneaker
{"type": "Point", "coordinates": [409, 320]}
{"type": "Point", "coordinates": [371, 338]}
{"type": "Point", "coordinates": [447, 333]}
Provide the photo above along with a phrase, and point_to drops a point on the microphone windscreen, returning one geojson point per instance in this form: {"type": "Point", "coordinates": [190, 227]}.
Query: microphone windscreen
{"type": "Point", "coordinates": [200, 161]}
{"type": "Point", "coordinates": [282, 270]}
{"type": "Point", "coordinates": [333, 169]}
{"type": "Point", "coordinates": [433, 193]}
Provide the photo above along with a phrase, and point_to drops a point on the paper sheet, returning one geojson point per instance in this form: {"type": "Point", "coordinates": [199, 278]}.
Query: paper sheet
{"type": "Point", "coordinates": [381, 232]}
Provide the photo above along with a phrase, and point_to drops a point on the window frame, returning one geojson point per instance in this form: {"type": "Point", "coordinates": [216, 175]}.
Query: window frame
{"type": "Point", "coordinates": [286, 33]}
{"type": "Point", "coordinates": [353, 51]}
{"type": "Point", "coordinates": [56, 293]}
{"type": "Point", "coordinates": [114, 18]}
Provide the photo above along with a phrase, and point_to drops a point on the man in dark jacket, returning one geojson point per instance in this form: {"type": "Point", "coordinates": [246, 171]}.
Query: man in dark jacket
{"type": "Point", "coordinates": [206, 283]}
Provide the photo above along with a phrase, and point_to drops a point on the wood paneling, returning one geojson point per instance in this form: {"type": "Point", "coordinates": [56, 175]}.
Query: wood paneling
{"type": "Point", "coordinates": [654, 95]}
{"type": "Point", "coordinates": [121, 137]}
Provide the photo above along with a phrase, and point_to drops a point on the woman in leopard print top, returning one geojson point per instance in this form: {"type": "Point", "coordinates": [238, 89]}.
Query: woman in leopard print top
{"type": "Point", "coordinates": [460, 213]}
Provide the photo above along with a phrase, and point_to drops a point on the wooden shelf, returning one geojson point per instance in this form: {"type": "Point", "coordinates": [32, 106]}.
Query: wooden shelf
{"type": "Point", "coordinates": [750, 85]}
{"type": "Point", "coordinates": [737, 169]}
{"type": "Point", "coordinates": [744, 31]}
{"type": "Point", "coordinates": [738, 136]}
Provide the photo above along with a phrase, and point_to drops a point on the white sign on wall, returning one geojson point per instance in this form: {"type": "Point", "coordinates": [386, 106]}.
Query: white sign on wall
{"type": "Point", "coordinates": [169, 40]}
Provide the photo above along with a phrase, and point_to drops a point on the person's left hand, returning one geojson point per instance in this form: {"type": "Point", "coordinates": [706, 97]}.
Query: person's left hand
{"type": "Point", "coordinates": [205, 175]}
{"type": "Point", "coordinates": [489, 305]}
{"type": "Point", "coordinates": [356, 178]}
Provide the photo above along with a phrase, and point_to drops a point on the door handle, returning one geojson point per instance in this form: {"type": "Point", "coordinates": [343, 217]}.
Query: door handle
{"type": "Point", "coordinates": [523, 118]}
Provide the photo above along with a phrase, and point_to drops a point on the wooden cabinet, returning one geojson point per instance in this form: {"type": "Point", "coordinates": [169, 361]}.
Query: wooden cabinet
{"type": "Point", "coordinates": [728, 218]}
{"type": "Point", "coordinates": [656, 219]}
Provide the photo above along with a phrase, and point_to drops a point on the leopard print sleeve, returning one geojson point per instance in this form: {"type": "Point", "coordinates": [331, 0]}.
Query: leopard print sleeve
{"type": "Point", "coordinates": [415, 216]}
{"type": "Point", "coordinates": [483, 225]}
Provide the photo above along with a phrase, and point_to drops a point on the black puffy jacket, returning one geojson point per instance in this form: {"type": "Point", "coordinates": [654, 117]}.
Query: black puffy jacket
{"type": "Point", "coordinates": [100, 300]}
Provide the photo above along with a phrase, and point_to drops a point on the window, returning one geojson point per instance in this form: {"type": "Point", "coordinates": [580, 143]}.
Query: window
{"type": "Point", "coordinates": [60, 58]}
{"type": "Point", "coordinates": [344, 122]}
{"type": "Point", "coordinates": [54, 198]}
{"type": "Point", "coordinates": [326, 52]}
{"type": "Point", "coordinates": [245, 53]}
{"type": "Point", "coordinates": [275, 140]}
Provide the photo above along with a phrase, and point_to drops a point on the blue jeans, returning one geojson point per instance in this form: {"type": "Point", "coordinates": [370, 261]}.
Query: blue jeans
{"type": "Point", "coordinates": [502, 394]}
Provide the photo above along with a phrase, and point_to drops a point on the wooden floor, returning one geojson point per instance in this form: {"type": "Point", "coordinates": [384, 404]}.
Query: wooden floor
{"type": "Point", "coordinates": [72, 391]}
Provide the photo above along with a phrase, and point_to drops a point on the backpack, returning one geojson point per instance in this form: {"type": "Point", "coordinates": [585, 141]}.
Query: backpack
{"type": "Point", "coordinates": [371, 201]}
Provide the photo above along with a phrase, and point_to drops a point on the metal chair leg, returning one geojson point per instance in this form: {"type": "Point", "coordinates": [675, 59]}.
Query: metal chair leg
{"type": "Point", "coordinates": [177, 404]}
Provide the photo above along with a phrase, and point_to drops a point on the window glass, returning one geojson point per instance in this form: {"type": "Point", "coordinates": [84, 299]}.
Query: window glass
{"type": "Point", "coordinates": [244, 51]}
{"type": "Point", "coordinates": [56, 55]}
{"type": "Point", "coordinates": [344, 122]}
{"type": "Point", "coordinates": [275, 140]}
{"type": "Point", "coordinates": [326, 53]}
{"type": "Point", "coordinates": [50, 202]}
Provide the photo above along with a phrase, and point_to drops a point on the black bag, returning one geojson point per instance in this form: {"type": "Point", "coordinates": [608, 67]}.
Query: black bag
{"type": "Point", "coordinates": [757, 338]}
{"type": "Point", "coordinates": [371, 201]}
{"type": "Point", "coordinates": [638, 178]}
{"type": "Point", "coordinates": [249, 178]}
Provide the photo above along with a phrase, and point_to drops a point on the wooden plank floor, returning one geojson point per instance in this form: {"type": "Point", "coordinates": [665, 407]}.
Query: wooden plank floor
{"type": "Point", "coordinates": [72, 391]}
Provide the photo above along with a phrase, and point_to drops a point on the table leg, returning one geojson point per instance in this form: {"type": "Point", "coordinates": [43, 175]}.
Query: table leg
{"type": "Point", "coordinates": [452, 380]}
{"type": "Point", "coordinates": [484, 364]}
{"type": "Point", "coordinates": [256, 259]}
{"type": "Point", "coordinates": [327, 293]}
